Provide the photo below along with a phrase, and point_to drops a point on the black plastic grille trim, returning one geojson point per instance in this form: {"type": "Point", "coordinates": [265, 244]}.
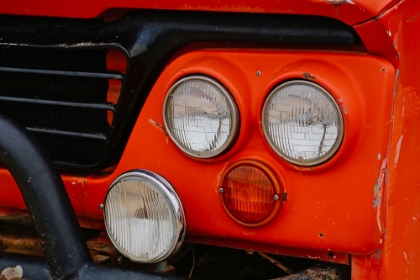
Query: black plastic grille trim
{"type": "Point", "coordinates": [62, 101]}
{"type": "Point", "coordinates": [64, 73]}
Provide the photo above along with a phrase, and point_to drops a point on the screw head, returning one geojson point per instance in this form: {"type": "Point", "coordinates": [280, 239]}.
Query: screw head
{"type": "Point", "coordinates": [101, 206]}
{"type": "Point", "coordinates": [258, 73]}
{"type": "Point", "coordinates": [275, 197]}
{"type": "Point", "coordinates": [221, 190]}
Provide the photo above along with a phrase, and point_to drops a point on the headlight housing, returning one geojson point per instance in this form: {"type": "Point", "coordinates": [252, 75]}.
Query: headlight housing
{"type": "Point", "coordinates": [302, 123]}
{"type": "Point", "coordinates": [144, 217]}
{"type": "Point", "coordinates": [201, 116]}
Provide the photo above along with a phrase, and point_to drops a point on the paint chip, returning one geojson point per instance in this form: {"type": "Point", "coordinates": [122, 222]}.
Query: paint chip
{"type": "Point", "coordinates": [159, 127]}
{"type": "Point", "coordinates": [344, 109]}
{"type": "Point", "coordinates": [308, 76]}
{"type": "Point", "coordinates": [397, 153]}
{"type": "Point", "coordinates": [377, 201]}
{"type": "Point", "coordinates": [376, 189]}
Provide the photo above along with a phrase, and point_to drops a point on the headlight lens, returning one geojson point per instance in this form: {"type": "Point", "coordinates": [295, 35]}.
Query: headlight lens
{"type": "Point", "coordinates": [201, 116]}
{"type": "Point", "coordinates": [302, 123]}
{"type": "Point", "coordinates": [251, 193]}
{"type": "Point", "coordinates": [144, 217]}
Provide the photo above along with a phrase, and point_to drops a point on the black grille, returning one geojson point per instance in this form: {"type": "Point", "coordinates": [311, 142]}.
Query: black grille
{"type": "Point", "coordinates": [60, 94]}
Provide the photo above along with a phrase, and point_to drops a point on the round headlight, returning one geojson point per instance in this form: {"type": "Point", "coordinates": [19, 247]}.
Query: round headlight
{"type": "Point", "coordinates": [251, 193]}
{"type": "Point", "coordinates": [144, 217]}
{"type": "Point", "coordinates": [201, 116]}
{"type": "Point", "coordinates": [302, 123]}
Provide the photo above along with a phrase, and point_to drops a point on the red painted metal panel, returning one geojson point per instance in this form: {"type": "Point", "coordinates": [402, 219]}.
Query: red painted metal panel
{"type": "Point", "coordinates": [349, 11]}
{"type": "Point", "coordinates": [329, 199]}
{"type": "Point", "coordinates": [10, 196]}
{"type": "Point", "coordinates": [400, 256]}
{"type": "Point", "coordinates": [336, 199]}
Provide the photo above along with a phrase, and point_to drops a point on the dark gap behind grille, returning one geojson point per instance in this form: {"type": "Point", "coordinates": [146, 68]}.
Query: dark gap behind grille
{"type": "Point", "coordinates": [92, 60]}
{"type": "Point", "coordinates": [83, 120]}
{"type": "Point", "coordinates": [52, 87]}
{"type": "Point", "coordinates": [66, 150]}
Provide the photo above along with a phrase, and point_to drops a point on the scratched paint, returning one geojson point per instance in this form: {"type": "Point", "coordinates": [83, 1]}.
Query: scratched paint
{"type": "Point", "coordinates": [411, 103]}
{"type": "Point", "coordinates": [378, 192]}
{"type": "Point", "coordinates": [397, 151]}
{"type": "Point", "coordinates": [344, 109]}
{"type": "Point", "coordinates": [339, 2]}
{"type": "Point", "coordinates": [159, 127]}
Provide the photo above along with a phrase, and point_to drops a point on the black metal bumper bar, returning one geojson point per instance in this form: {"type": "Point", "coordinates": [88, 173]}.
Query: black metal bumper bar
{"type": "Point", "coordinates": [66, 252]}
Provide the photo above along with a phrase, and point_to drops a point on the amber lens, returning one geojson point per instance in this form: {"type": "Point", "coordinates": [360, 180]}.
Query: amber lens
{"type": "Point", "coordinates": [247, 194]}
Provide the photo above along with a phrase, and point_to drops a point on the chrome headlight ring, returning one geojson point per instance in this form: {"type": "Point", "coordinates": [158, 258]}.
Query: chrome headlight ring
{"type": "Point", "coordinates": [144, 217]}
{"type": "Point", "coordinates": [201, 116]}
{"type": "Point", "coordinates": [302, 123]}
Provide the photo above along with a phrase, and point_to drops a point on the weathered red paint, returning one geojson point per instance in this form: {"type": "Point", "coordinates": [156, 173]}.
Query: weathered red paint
{"type": "Point", "coordinates": [350, 11]}
{"type": "Point", "coordinates": [11, 198]}
{"type": "Point", "coordinates": [337, 208]}
{"type": "Point", "coordinates": [365, 201]}
{"type": "Point", "coordinates": [400, 256]}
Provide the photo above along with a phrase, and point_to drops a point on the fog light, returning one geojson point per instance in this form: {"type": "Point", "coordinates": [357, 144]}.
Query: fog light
{"type": "Point", "coordinates": [251, 193]}
{"type": "Point", "coordinates": [144, 217]}
{"type": "Point", "coordinates": [302, 123]}
{"type": "Point", "coordinates": [201, 116]}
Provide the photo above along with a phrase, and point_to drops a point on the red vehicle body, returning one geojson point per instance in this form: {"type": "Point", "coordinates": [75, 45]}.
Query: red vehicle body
{"type": "Point", "coordinates": [360, 208]}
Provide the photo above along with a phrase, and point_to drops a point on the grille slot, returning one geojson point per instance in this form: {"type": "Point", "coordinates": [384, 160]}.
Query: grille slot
{"type": "Point", "coordinates": [60, 95]}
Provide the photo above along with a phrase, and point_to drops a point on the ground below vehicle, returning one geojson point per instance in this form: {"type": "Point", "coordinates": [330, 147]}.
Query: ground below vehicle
{"type": "Point", "coordinates": [91, 82]}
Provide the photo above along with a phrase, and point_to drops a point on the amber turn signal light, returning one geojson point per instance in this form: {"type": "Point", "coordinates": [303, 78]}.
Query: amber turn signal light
{"type": "Point", "coordinates": [251, 193]}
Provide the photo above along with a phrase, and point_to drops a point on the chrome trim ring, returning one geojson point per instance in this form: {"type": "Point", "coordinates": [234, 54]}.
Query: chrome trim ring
{"type": "Point", "coordinates": [158, 184]}
{"type": "Point", "coordinates": [232, 108]}
{"type": "Point", "coordinates": [340, 124]}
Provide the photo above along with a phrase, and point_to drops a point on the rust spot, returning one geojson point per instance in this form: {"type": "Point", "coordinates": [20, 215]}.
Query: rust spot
{"type": "Point", "coordinates": [308, 76]}
{"type": "Point", "coordinates": [413, 18]}
{"type": "Point", "coordinates": [336, 2]}
{"type": "Point", "coordinates": [159, 127]}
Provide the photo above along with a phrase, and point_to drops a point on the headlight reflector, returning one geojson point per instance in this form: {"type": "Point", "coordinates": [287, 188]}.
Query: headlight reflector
{"type": "Point", "coordinates": [144, 217]}
{"type": "Point", "coordinates": [302, 123]}
{"type": "Point", "coordinates": [201, 116]}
